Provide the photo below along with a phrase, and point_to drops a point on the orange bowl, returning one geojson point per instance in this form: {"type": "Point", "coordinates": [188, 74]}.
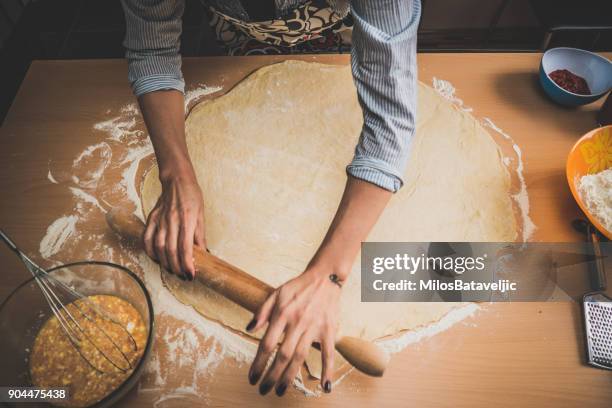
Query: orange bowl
{"type": "Point", "coordinates": [591, 154]}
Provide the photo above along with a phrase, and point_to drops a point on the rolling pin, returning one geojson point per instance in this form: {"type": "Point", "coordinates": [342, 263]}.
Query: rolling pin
{"type": "Point", "coordinates": [247, 291]}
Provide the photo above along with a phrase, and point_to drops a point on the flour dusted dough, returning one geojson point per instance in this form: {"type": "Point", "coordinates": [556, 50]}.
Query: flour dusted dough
{"type": "Point", "coordinates": [270, 158]}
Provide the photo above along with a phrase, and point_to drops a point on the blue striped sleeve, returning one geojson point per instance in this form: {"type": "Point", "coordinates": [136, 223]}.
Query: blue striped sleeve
{"type": "Point", "coordinates": [152, 42]}
{"type": "Point", "coordinates": [383, 62]}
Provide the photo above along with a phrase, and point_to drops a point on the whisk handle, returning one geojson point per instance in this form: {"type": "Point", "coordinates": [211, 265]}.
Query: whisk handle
{"type": "Point", "coordinates": [9, 242]}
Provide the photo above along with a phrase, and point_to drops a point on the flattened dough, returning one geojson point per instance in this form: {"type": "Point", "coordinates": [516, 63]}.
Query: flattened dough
{"type": "Point", "coordinates": [270, 157]}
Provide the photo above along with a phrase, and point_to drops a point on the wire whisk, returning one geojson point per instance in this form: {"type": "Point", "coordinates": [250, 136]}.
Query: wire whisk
{"type": "Point", "coordinates": [80, 319]}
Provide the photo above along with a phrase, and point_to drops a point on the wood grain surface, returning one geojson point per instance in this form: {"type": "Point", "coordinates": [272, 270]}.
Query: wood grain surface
{"type": "Point", "coordinates": [507, 355]}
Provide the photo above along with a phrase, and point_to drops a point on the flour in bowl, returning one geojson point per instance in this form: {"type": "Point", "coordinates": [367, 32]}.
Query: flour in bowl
{"type": "Point", "coordinates": [596, 192]}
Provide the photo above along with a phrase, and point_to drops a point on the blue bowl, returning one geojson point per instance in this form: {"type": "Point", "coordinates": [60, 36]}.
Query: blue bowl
{"type": "Point", "coordinates": [595, 69]}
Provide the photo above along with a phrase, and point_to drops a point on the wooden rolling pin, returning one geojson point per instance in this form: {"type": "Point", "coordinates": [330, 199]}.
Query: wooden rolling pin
{"type": "Point", "coordinates": [247, 291]}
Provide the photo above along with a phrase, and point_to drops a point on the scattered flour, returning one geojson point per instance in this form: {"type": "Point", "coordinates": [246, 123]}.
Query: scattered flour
{"type": "Point", "coordinates": [521, 197]}
{"type": "Point", "coordinates": [124, 144]}
{"type": "Point", "coordinates": [447, 90]}
{"type": "Point", "coordinates": [129, 176]}
{"type": "Point", "coordinates": [89, 166]}
{"type": "Point", "coordinates": [184, 346]}
{"type": "Point", "coordinates": [193, 96]}
{"type": "Point", "coordinates": [119, 128]}
{"type": "Point", "coordinates": [397, 344]}
{"type": "Point", "coordinates": [130, 109]}
{"type": "Point", "coordinates": [489, 123]}
{"type": "Point", "coordinates": [596, 192]}
{"type": "Point", "coordinates": [89, 152]}
{"type": "Point", "coordinates": [50, 175]}
{"type": "Point", "coordinates": [57, 235]}
{"type": "Point", "coordinates": [51, 178]}
{"type": "Point", "coordinates": [87, 198]}
{"type": "Point", "coordinates": [164, 302]}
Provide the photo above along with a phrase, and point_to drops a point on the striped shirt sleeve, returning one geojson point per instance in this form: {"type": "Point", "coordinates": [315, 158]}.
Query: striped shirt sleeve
{"type": "Point", "coordinates": [152, 42]}
{"type": "Point", "coordinates": [384, 71]}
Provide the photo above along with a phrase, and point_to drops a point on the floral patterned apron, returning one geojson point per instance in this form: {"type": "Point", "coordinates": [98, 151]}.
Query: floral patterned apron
{"type": "Point", "coordinates": [313, 26]}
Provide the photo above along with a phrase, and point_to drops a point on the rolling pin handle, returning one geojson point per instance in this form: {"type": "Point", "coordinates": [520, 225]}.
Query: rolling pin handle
{"type": "Point", "coordinates": [364, 355]}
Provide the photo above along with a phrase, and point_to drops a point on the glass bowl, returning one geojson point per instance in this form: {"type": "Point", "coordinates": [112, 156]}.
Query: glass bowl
{"type": "Point", "coordinates": [25, 310]}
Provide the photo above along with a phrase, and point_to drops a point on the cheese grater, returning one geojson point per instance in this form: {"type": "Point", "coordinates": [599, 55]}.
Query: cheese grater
{"type": "Point", "coordinates": [597, 307]}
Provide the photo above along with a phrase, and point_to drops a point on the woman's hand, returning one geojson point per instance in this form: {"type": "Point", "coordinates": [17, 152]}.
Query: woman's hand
{"type": "Point", "coordinates": [177, 221]}
{"type": "Point", "coordinates": [304, 310]}
{"type": "Point", "coordinates": [175, 224]}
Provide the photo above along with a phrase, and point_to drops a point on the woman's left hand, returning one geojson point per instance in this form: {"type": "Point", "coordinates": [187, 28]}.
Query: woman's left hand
{"type": "Point", "coordinates": [304, 310]}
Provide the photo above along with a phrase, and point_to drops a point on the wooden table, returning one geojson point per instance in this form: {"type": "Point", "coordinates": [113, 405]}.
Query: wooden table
{"type": "Point", "coordinates": [528, 355]}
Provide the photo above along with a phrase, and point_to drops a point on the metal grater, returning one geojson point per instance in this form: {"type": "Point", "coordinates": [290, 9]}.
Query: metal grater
{"type": "Point", "coordinates": [597, 309]}
{"type": "Point", "coordinates": [598, 325]}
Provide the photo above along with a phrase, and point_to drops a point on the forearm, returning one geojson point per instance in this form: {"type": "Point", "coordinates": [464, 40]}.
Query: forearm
{"type": "Point", "coordinates": [361, 205]}
{"type": "Point", "coordinates": [164, 115]}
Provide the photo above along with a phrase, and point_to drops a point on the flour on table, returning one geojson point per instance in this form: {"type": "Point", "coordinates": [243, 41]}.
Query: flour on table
{"type": "Point", "coordinates": [57, 234]}
{"type": "Point", "coordinates": [95, 159]}
{"type": "Point", "coordinates": [185, 347]}
{"type": "Point", "coordinates": [119, 128]}
{"type": "Point", "coordinates": [84, 197]}
{"type": "Point", "coordinates": [193, 96]}
{"type": "Point", "coordinates": [51, 178]}
{"type": "Point", "coordinates": [521, 197]}
{"type": "Point", "coordinates": [123, 145]}
{"type": "Point", "coordinates": [447, 90]}
{"type": "Point", "coordinates": [128, 176]}
{"type": "Point", "coordinates": [395, 345]}
{"type": "Point", "coordinates": [129, 109]}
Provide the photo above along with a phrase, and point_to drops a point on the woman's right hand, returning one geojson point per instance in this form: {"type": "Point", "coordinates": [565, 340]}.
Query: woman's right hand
{"type": "Point", "coordinates": [176, 224]}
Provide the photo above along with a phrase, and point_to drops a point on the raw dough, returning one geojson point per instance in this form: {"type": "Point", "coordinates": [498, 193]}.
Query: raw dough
{"type": "Point", "coordinates": [270, 158]}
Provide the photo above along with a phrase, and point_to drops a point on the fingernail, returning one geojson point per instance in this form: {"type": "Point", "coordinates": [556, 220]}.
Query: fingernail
{"type": "Point", "coordinates": [191, 276]}
{"type": "Point", "coordinates": [208, 250]}
{"type": "Point", "coordinates": [251, 325]}
{"type": "Point", "coordinates": [265, 388]}
{"type": "Point", "coordinates": [253, 378]}
{"type": "Point", "coordinates": [280, 390]}
{"type": "Point", "coordinates": [327, 387]}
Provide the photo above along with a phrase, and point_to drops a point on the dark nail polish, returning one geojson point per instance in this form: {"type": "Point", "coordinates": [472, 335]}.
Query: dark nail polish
{"type": "Point", "coordinates": [280, 390]}
{"type": "Point", "coordinates": [191, 277]}
{"type": "Point", "coordinates": [251, 325]}
{"type": "Point", "coordinates": [265, 388]}
{"type": "Point", "coordinates": [208, 250]}
{"type": "Point", "coordinates": [253, 378]}
{"type": "Point", "coordinates": [327, 387]}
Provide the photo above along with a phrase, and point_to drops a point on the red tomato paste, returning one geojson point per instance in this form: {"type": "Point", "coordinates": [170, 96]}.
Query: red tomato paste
{"type": "Point", "coordinates": [570, 81]}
